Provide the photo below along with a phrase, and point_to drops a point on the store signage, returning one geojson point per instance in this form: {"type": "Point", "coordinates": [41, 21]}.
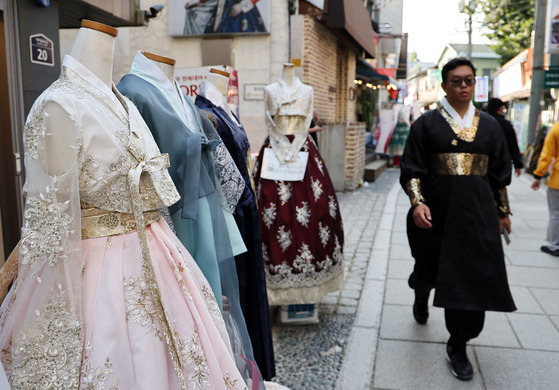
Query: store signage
{"type": "Point", "coordinates": [551, 78]}
{"type": "Point", "coordinates": [42, 50]}
{"type": "Point", "coordinates": [481, 93]}
{"type": "Point", "coordinates": [254, 91]}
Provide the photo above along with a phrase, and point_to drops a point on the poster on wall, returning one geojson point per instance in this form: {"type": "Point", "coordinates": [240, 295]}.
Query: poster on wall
{"type": "Point", "coordinates": [223, 17]}
{"type": "Point", "coordinates": [189, 80]}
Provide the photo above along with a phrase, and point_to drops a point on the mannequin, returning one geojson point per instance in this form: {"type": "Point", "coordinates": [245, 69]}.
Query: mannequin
{"type": "Point", "coordinates": [215, 87]}
{"type": "Point", "coordinates": [304, 212]}
{"type": "Point", "coordinates": [250, 265]}
{"type": "Point", "coordinates": [94, 46]}
{"type": "Point", "coordinates": [166, 64]}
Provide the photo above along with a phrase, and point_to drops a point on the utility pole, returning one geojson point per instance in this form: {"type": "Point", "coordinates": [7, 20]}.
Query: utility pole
{"type": "Point", "coordinates": [469, 8]}
{"type": "Point", "coordinates": [536, 98]}
{"type": "Point", "coordinates": [469, 36]}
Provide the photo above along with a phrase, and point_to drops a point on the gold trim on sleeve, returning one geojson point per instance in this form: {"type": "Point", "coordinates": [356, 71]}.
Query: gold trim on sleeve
{"type": "Point", "coordinates": [413, 189]}
{"type": "Point", "coordinates": [460, 164]}
{"type": "Point", "coordinates": [502, 201]}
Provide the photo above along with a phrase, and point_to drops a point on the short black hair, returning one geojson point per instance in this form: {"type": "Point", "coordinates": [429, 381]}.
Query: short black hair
{"type": "Point", "coordinates": [455, 63]}
{"type": "Point", "coordinates": [493, 105]}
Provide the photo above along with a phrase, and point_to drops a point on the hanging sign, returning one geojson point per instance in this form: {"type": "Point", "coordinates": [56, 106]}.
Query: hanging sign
{"type": "Point", "coordinates": [481, 93]}
{"type": "Point", "coordinates": [551, 78]}
{"type": "Point", "coordinates": [42, 50]}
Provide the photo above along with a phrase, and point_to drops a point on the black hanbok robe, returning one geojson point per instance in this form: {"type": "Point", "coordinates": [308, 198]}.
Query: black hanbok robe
{"type": "Point", "coordinates": [250, 265]}
{"type": "Point", "coordinates": [462, 177]}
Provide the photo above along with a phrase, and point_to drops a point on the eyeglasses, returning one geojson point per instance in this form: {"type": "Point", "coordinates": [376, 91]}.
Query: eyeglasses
{"type": "Point", "coordinates": [456, 83]}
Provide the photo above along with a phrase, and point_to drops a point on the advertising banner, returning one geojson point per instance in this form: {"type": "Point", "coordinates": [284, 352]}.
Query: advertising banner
{"type": "Point", "coordinates": [224, 17]}
{"type": "Point", "coordinates": [189, 80]}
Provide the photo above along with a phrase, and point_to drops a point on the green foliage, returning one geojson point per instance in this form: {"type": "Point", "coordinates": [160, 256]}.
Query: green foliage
{"type": "Point", "coordinates": [368, 103]}
{"type": "Point", "coordinates": [509, 25]}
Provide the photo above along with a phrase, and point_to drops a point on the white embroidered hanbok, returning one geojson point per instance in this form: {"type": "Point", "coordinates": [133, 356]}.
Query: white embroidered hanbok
{"type": "Point", "coordinates": [98, 303]}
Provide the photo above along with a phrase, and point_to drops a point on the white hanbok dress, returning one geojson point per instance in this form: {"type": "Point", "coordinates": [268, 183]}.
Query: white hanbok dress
{"type": "Point", "coordinates": [99, 303]}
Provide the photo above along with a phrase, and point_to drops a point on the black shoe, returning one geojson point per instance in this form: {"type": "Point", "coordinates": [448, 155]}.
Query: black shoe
{"type": "Point", "coordinates": [421, 306]}
{"type": "Point", "coordinates": [546, 249]}
{"type": "Point", "coordinates": [458, 359]}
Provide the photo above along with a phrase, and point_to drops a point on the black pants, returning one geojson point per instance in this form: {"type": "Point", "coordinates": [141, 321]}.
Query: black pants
{"type": "Point", "coordinates": [463, 325]}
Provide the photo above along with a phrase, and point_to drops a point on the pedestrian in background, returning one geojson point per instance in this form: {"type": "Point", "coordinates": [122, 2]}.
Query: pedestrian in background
{"type": "Point", "coordinates": [548, 156]}
{"type": "Point", "coordinates": [496, 108]}
{"type": "Point", "coordinates": [455, 169]}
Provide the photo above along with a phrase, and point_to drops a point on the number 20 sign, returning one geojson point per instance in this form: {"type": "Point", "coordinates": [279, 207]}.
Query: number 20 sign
{"type": "Point", "coordinates": [42, 50]}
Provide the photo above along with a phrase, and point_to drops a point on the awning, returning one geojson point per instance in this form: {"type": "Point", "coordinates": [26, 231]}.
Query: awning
{"type": "Point", "coordinates": [353, 17]}
{"type": "Point", "coordinates": [71, 13]}
{"type": "Point", "coordinates": [364, 69]}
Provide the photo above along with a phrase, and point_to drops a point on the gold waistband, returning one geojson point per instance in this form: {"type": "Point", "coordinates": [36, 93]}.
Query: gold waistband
{"type": "Point", "coordinates": [460, 164]}
{"type": "Point", "coordinates": [103, 223]}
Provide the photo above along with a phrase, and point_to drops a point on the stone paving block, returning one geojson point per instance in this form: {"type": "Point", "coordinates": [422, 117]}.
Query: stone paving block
{"type": "Point", "coordinates": [370, 305]}
{"type": "Point", "coordinates": [525, 301]}
{"type": "Point", "coordinates": [555, 320]}
{"type": "Point", "coordinates": [386, 221]}
{"type": "Point", "coordinates": [398, 292]}
{"type": "Point", "coordinates": [523, 244]}
{"type": "Point", "coordinates": [399, 225]}
{"type": "Point", "coordinates": [407, 365]}
{"type": "Point", "coordinates": [399, 238]}
{"type": "Point", "coordinates": [531, 259]}
{"type": "Point", "coordinates": [535, 331]}
{"type": "Point", "coordinates": [358, 363]}
{"type": "Point", "coordinates": [398, 324]}
{"type": "Point", "coordinates": [515, 369]}
{"type": "Point", "coordinates": [346, 309]}
{"type": "Point", "coordinates": [400, 252]}
{"type": "Point", "coordinates": [537, 223]}
{"type": "Point", "coordinates": [528, 232]}
{"type": "Point", "coordinates": [378, 264]}
{"type": "Point", "coordinates": [400, 269]}
{"type": "Point", "coordinates": [329, 300]}
{"type": "Point", "coordinates": [533, 276]}
{"type": "Point", "coordinates": [382, 240]}
{"type": "Point", "coordinates": [497, 332]}
{"type": "Point", "coordinates": [548, 299]}
{"type": "Point", "coordinates": [349, 301]}
{"type": "Point", "coordinates": [355, 294]}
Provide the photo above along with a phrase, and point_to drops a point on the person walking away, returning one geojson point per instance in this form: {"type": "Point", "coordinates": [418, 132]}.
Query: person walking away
{"type": "Point", "coordinates": [548, 156]}
{"type": "Point", "coordinates": [496, 108]}
{"type": "Point", "coordinates": [455, 169]}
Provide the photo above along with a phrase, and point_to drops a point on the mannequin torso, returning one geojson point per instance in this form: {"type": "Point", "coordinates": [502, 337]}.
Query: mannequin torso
{"type": "Point", "coordinates": [215, 87]}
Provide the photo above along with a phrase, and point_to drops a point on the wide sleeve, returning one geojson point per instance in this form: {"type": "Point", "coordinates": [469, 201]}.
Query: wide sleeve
{"type": "Point", "coordinates": [549, 151]}
{"type": "Point", "coordinates": [414, 163]}
{"type": "Point", "coordinates": [499, 171]}
{"type": "Point", "coordinates": [41, 328]}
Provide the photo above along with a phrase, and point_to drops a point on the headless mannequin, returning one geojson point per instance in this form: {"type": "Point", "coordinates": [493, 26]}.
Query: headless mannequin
{"type": "Point", "coordinates": [288, 74]}
{"type": "Point", "coordinates": [166, 64]}
{"type": "Point", "coordinates": [220, 80]}
{"type": "Point", "coordinates": [94, 48]}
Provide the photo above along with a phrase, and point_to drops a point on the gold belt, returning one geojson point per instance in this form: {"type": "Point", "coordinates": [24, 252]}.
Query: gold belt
{"type": "Point", "coordinates": [103, 223]}
{"type": "Point", "coordinates": [460, 164]}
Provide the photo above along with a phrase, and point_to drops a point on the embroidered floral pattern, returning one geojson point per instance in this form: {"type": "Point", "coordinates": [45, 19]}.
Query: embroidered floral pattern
{"type": "Point", "coordinates": [323, 233]}
{"type": "Point", "coordinates": [319, 164]}
{"type": "Point", "coordinates": [140, 307]}
{"type": "Point", "coordinates": [303, 213]}
{"type": "Point", "coordinates": [231, 384]}
{"type": "Point", "coordinates": [316, 188]}
{"type": "Point", "coordinates": [268, 215]}
{"type": "Point", "coordinates": [284, 238]}
{"type": "Point", "coordinates": [231, 182]}
{"type": "Point", "coordinates": [193, 361]}
{"type": "Point", "coordinates": [332, 206]}
{"type": "Point", "coordinates": [46, 225]}
{"type": "Point", "coordinates": [47, 353]}
{"type": "Point", "coordinates": [93, 378]}
{"type": "Point", "coordinates": [303, 261]}
{"type": "Point", "coordinates": [284, 192]}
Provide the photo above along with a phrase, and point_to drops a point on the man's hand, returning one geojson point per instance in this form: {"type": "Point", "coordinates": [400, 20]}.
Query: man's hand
{"type": "Point", "coordinates": [504, 223]}
{"type": "Point", "coordinates": [422, 216]}
{"type": "Point", "coordinates": [536, 184]}
{"type": "Point", "coordinates": [518, 172]}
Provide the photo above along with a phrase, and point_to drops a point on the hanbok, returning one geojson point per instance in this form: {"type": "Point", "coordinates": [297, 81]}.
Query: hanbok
{"type": "Point", "coordinates": [106, 295]}
{"type": "Point", "coordinates": [302, 232]}
{"type": "Point", "coordinates": [250, 265]}
{"type": "Point", "coordinates": [210, 187]}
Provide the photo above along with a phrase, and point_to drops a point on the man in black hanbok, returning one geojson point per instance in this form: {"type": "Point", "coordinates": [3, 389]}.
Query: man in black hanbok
{"type": "Point", "coordinates": [455, 169]}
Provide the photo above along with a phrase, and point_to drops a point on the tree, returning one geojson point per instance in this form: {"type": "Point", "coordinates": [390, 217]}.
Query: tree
{"type": "Point", "coordinates": [509, 25]}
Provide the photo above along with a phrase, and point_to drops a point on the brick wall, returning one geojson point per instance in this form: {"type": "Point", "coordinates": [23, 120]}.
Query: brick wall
{"type": "Point", "coordinates": [354, 154]}
{"type": "Point", "coordinates": [319, 66]}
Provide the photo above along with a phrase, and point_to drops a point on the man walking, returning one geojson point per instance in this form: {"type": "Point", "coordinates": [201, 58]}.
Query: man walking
{"type": "Point", "coordinates": [455, 169]}
{"type": "Point", "coordinates": [496, 108]}
{"type": "Point", "coordinates": [549, 154]}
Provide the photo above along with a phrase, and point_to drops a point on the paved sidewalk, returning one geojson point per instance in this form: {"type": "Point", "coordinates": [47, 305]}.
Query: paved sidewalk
{"type": "Point", "coordinates": [388, 350]}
